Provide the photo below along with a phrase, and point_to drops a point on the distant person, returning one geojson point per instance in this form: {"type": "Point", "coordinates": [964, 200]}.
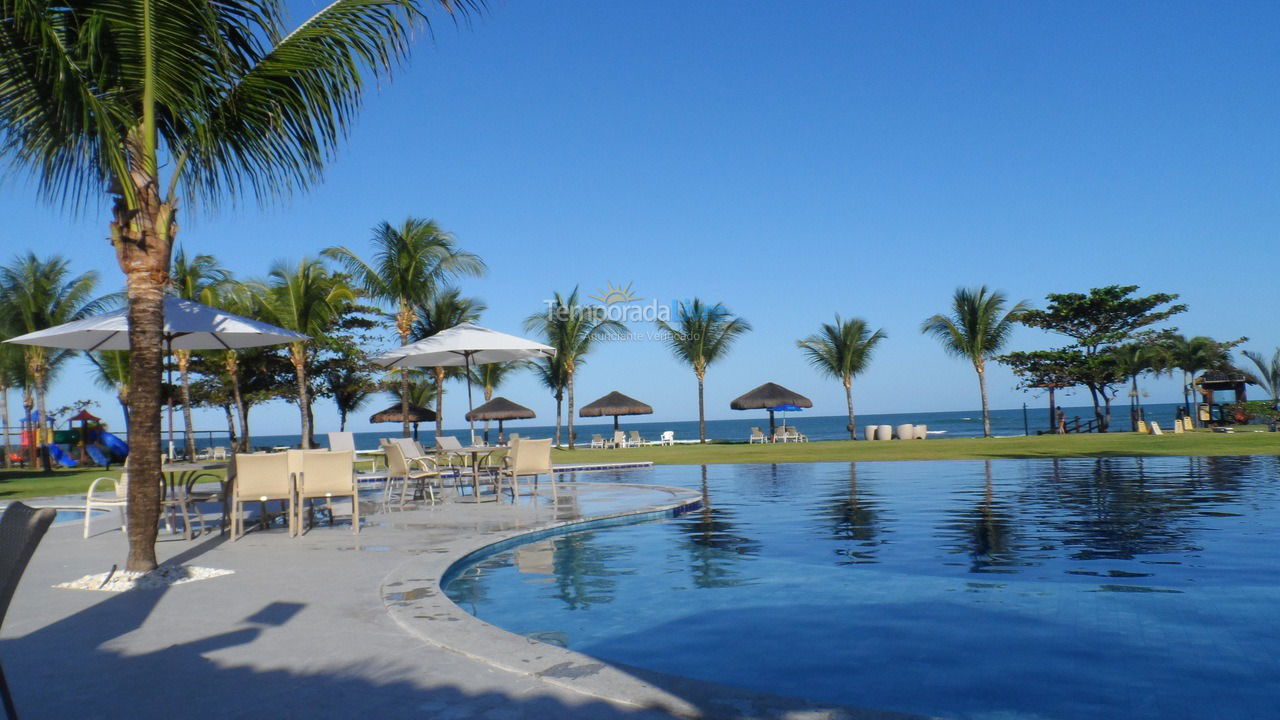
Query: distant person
{"type": "Point", "coordinates": [1062, 421]}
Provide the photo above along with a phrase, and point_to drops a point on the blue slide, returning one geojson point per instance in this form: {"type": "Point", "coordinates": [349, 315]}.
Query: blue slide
{"type": "Point", "coordinates": [98, 456]}
{"type": "Point", "coordinates": [117, 446]}
{"type": "Point", "coordinates": [61, 457]}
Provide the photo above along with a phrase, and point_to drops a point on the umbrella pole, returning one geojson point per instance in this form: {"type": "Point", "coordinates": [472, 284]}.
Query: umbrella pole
{"type": "Point", "coordinates": [615, 423]}
{"type": "Point", "coordinates": [501, 437]}
{"type": "Point", "coordinates": [169, 344]}
{"type": "Point", "coordinates": [467, 359]}
{"type": "Point", "coordinates": [772, 427]}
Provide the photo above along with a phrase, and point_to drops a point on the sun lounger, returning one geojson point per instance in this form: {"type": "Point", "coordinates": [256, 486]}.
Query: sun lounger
{"type": "Point", "coordinates": [597, 441]}
{"type": "Point", "coordinates": [668, 437]}
{"type": "Point", "coordinates": [1155, 429]}
{"type": "Point", "coordinates": [757, 436]}
{"type": "Point", "coordinates": [636, 440]}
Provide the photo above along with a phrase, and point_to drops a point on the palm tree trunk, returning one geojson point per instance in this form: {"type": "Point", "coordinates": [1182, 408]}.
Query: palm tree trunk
{"type": "Point", "coordinates": [244, 428]}
{"type": "Point", "coordinates": [42, 396]}
{"type": "Point", "coordinates": [1186, 394]}
{"type": "Point", "coordinates": [233, 378]}
{"type": "Point", "coordinates": [231, 424]}
{"type": "Point", "coordinates": [404, 405]}
{"type": "Point", "coordinates": [184, 365]}
{"type": "Point", "coordinates": [848, 397]}
{"type": "Point", "coordinates": [439, 373]}
{"type": "Point", "coordinates": [702, 411]}
{"type": "Point", "coordinates": [980, 366]}
{"type": "Point", "coordinates": [559, 414]}
{"type": "Point", "coordinates": [569, 413]}
{"type": "Point", "coordinates": [300, 372]}
{"type": "Point", "coordinates": [122, 397]}
{"type": "Point", "coordinates": [4, 424]}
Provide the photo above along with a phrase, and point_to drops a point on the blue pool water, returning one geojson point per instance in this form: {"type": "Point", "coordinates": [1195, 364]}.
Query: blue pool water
{"type": "Point", "coordinates": [1013, 589]}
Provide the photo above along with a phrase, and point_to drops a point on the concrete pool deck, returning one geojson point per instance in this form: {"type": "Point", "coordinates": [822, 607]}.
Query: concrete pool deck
{"type": "Point", "coordinates": [334, 623]}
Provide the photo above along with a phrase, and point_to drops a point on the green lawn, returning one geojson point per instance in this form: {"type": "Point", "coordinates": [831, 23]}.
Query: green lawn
{"type": "Point", "coordinates": [20, 482]}
{"type": "Point", "coordinates": [1092, 445]}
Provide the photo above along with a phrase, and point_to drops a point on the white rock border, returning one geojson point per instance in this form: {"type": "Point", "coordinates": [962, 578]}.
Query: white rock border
{"type": "Point", "coordinates": [161, 577]}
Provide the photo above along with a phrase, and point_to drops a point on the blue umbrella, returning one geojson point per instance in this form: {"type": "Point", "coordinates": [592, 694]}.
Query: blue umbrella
{"type": "Point", "coordinates": [784, 409]}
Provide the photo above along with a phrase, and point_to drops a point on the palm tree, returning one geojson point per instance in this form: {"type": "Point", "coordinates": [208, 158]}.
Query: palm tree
{"type": "Point", "coordinates": [572, 329]}
{"type": "Point", "coordinates": [304, 299]}
{"type": "Point", "coordinates": [37, 294]}
{"type": "Point", "coordinates": [1133, 359]}
{"type": "Point", "coordinates": [351, 388]}
{"type": "Point", "coordinates": [410, 265]}
{"type": "Point", "coordinates": [489, 377]}
{"type": "Point", "coordinates": [164, 100]}
{"type": "Point", "coordinates": [12, 375]}
{"type": "Point", "coordinates": [702, 335]}
{"type": "Point", "coordinates": [113, 375]}
{"type": "Point", "coordinates": [197, 279]}
{"type": "Point", "coordinates": [239, 299]}
{"type": "Point", "coordinates": [550, 372]}
{"type": "Point", "coordinates": [842, 350]}
{"type": "Point", "coordinates": [1192, 355]}
{"type": "Point", "coordinates": [976, 330]}
{"type": "Point", "coordinates": [1268, 375]}
{"type": "Point", "coordinates": [445, 310]}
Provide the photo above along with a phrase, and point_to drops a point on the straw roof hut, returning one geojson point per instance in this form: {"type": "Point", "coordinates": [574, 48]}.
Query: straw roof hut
{"type": "Point", "coordinates": [615, 404]}
{"type": "Point", "coordinates": [767, 397]}
{"type": "Point", "coordinates": [392, 414]}
{"type": "Point", "coordinates": [500, 409]}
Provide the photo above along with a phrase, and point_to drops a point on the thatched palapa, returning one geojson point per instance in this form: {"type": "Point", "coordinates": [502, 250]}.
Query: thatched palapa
{"type": "Point", "coordinates": [615, 404]}
{"type": "Point", "coordinates": [417, 414]}
{"type": "Point", "coordinates": [500, 409]}
{"type": "Point", "coordinates": [767, 397]}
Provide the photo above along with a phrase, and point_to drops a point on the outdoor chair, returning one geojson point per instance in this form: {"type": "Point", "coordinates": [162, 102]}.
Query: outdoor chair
{"type": "Point", "coordinates": [512, 437]}
{"type": "Point", "coordinates": [218, 453]}
{"type": "Point", "coordinates": [328, 475]}
{"type": "Point", "coordinates": [260, 478]}
{"type": "Point", "coordinates": [668, 437]}
{"type": "Point", "coordinates": [636, 440]}
{"type": "Point", "coordinates": [619, 439]}
{"type": "Point", "coordinates": [176, 502]}
{"type": "Point", "coordinates": [409, 478]}
{"type": "Point", "coordinates": [597, 441]}
{"type": "Point", "coordinates": [757, 436]}
{"type": "Point", "coordinates": [116, 498]}
{"type": "Point", "coordinates": [347, 441]}
{"type": "Point", "coordinates": [21, 528]}
{"type": "Point", "coordinates": [529, 457]}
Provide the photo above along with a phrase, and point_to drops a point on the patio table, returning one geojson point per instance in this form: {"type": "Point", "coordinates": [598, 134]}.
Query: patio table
{"type": "Point", "coordinates": [474, 452]}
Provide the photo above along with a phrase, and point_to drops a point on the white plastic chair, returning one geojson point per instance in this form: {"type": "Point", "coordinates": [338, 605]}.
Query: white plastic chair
{"type": "Point", "coordinates": [117, 498]}
{"type": "Point", "coordinates": [668, 437]}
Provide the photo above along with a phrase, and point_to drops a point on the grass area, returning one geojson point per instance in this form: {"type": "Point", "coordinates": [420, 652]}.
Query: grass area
{"type": "Point", "coordinates": [24, 482]}
{"type": "Point", "coordinates": [1047, 446]}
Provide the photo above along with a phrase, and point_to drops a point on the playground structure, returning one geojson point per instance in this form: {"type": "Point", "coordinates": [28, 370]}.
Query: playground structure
{"type": "Point", "coordinates": [72, 447]}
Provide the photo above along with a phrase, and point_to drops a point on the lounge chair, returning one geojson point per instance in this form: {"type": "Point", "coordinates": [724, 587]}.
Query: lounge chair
{"type": "Point", "coordinates": [1155, 428]}
{"type": "Point", "coordinates": [21, 529]}
{"type": "Point", "coordinates": [636, 440]}
{"type": "Point", "coordinates": [668, 437]}
{"type": "Point", "coordinates": [619, 439]}
{"type": "Point", "coordinates": [757, 436]}
{"type": "Point", "coordinates": [218, 453]}
{"type": "Point", "coordinates": [597, 441]}
{"type": "Point", "coordinates": [529, 458]}
{"type": "Point", "coordinates": [328, 475]}
{"type": "Point", "coordinates": [262, 478]}
{"type": "Point", "coordinates": [404, 472]}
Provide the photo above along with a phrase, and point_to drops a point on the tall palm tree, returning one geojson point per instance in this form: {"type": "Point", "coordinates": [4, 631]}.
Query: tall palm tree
{"type": "Point", "coordinates": [445, 310]}
{"type": "Point", "coordinates": [1192, 355]}
{"type": "Point", "coordinates": [702, 334]}
{"type": "Point", "coordinates": [572, 329]}
{"type": "Point", "coordinates": [351, 388]}
{"type": "Point", "coordinates": [1268, 375]}
{"type": "Point", "coordinates": [550, 372]}
{"type": "Point", "coordinates": [489, 377]}
{"type": "Point", "coordinates": [977, 329]}
{"type": "Point", "coordinates": [239, 299]}
{"type": "Point", "coordinates": [1133, 359]}
{"type": "Point", "coordinates": [36, 294]}
{"type": "Point", "coordinates": [158, 101]}
{"type": "Point", "coordinates": [411, 263]}
{"type": "Point", "coordinates": [842, 350]}
{"type": "Point", "coordinates": [12, 375]}
{"type": "Point", "coordinates": [198, 279]}
{"type": "Point", "coordinates": [304, 298]}
{"type": "Point", "coordinates": [113, 375]}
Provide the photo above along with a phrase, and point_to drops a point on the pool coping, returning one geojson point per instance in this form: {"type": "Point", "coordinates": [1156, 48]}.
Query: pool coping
{"type": "Point", "coordinates": [413, 595]}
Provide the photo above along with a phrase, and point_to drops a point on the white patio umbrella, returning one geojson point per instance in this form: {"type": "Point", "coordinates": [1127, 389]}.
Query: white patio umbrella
{"type": "Point", "coordinates": [187, 326]}
{"type": "Point", "coordinates": [464, 345]}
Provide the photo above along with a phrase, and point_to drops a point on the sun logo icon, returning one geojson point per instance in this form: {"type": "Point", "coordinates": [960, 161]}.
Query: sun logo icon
{"type": "Point", "coordinates": [613, 295]}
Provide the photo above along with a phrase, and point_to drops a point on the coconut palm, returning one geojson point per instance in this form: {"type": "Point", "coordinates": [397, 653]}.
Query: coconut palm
{"type": "Point", "coordinates": [1192, 355]}
{"type": "Point", "coordinates": [842, 350]}
{"type": "Point", "coordinates": [702, 334]}
{"type": "Point", "coordinates": [411, 263]}
{"type": "Point", "coordinates": [446, 309]}
{"type": "Point", "coordinates": [303, 298]}
{"type": "Point", "coordinates": [238, 299]}
{"type": "Point", "coordinates": [1268, 375]}
{"type": "Point", "coordinates": [36, 294]}
{"type": "Point", "coordinates": [977, 329]}
{"type": "Point", "coordinates": [1133, 359]}
{"type": "Point", "coordinates": [12, 375]}
{"type": "Point", "coordinates": [350, 388]}
{"type": "Point", "coordinates": [113, 375]}
{"type": "Point", "coordinates": [550, 372]}
{"type": "Point", "coordinates": [196, 278]}
{"type": "Point", "coordinates": [168, 100]}
{"type": "Point", "coordinates": [573, 330]}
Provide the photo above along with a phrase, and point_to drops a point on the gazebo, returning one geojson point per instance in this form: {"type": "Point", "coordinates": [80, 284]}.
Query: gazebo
{"type": "Point", "coordinates": [1218, 388]}
{"type": "Point", "coordinates": [499, 409]}
{"type": "Point", "coordinates": [417, 414]}
{"type": "Point", "coordinates": [768, 397]}
{"type": "Point", "coordinates": [615, 404]}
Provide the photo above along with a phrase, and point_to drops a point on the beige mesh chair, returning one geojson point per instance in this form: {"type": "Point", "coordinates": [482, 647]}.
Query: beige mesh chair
{"type": "Point", "coordinates": [115, 498]}
{"type": "Point", "coordinates": [757, 436]}
{"type": "Point", "coordinates": [636, 440]}
{"type": "Point", "coordinates": [328, 475]}
{"type": "Point", "coordinates": [260, 478]}
{"type": "Point", "coordinates": [408, 478]}
{"type": "Point", "coordinates": [597, 441]}
{"type": "Point", "coordinates": [527, 458]}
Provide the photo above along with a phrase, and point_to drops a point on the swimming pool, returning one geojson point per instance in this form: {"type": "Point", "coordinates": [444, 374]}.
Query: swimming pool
{"type": "Point", "coordinates": [1012, 589]}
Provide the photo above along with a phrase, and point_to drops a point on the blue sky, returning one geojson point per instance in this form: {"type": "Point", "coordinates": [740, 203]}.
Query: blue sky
{"type": "Point", "coordinates": [795, 161]}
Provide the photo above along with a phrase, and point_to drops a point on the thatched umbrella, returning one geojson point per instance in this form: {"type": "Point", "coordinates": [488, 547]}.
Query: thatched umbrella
{"type": "Point", "coordinates": [499, 409]}
{"type": "Point", "coordinates": [417, 414]}
{"type": "Point", "coordinates": [767, 397]}
{"type": "Point", "coordinates": [615, 404]}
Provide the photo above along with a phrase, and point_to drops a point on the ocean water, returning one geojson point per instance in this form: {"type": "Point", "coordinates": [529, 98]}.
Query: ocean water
{"type": "Point", "coordinates": [942, 425]}
{"type": "Point", "coordinates": [1028, 589]}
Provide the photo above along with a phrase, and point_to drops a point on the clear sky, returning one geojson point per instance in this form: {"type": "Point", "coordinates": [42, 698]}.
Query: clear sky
{"type": "Point", "coordinates": [795, 161]}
